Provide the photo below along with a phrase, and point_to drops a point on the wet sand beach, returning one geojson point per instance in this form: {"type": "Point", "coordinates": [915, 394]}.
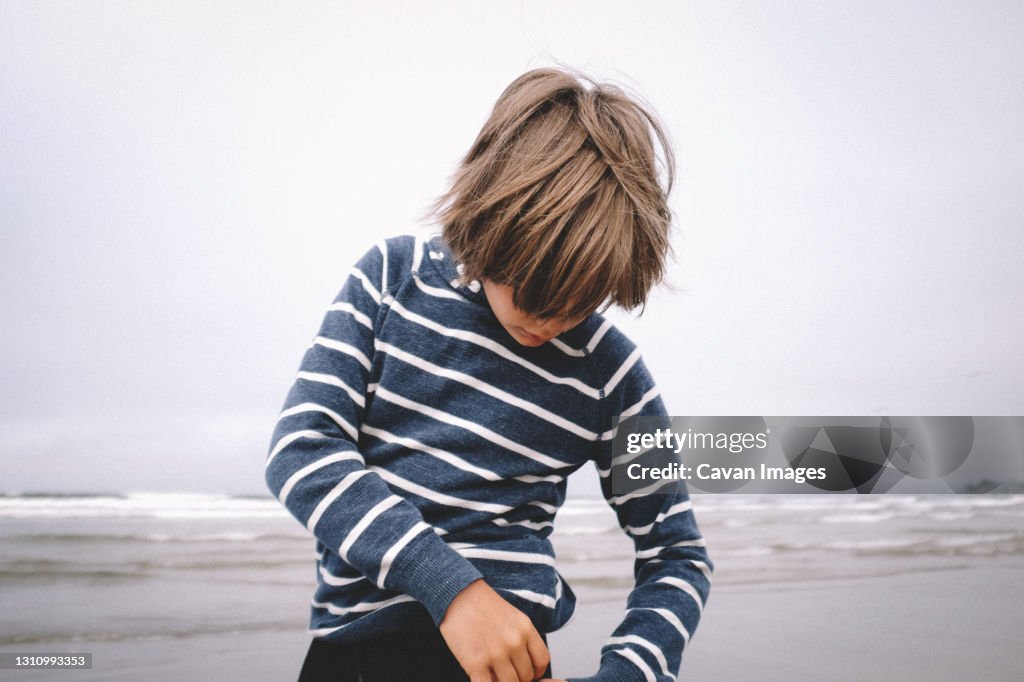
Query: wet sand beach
{"type": "Point", "coordinates": [930, 626]}
{"type": "Point", "coordinates": [816, 587]}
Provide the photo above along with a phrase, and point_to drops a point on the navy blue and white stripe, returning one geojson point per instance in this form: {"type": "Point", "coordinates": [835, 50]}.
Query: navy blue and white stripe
{"type": "Point", "coordinates": [424, 448]}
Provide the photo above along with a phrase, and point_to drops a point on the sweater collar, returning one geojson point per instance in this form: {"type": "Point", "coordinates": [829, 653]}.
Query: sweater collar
{"type": "Point", "coordinates": [445, 263]}
{"type": "Point", "coordinates": [450, 269]}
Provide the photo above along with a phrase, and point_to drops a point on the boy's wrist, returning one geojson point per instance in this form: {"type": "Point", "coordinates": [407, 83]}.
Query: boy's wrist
{"type": "Point", "coordinates": [433, 573]}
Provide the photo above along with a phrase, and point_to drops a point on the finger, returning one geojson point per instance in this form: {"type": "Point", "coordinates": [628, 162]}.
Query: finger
{"type": "Point", "coordinates": [505, 672]}
{"type": "Point", "coordinates": [523, 665]}
{"type": "Point", "coordinates": [539, 654]}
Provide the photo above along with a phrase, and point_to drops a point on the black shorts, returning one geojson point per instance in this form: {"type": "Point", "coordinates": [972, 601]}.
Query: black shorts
{"type": "Point", "coordinates": [420, 656]}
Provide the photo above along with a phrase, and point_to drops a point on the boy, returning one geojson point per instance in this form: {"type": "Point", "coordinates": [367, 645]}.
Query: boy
{"type": "Point", "coordinates": [454, 386]}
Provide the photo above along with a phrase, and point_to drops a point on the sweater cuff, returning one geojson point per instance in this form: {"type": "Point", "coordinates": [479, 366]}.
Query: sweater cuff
{"type": "Point", "coordinates": [614, 668]}
{"type": "Point", "coordinates": [433, 573]}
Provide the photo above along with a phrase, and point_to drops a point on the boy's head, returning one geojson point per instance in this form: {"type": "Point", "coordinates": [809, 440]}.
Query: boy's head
{"type": "Point", "coordinates": [558, 201]}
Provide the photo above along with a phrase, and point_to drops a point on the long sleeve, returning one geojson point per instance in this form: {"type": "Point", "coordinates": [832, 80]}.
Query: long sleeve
{"type": "Point", "coordinates": [316, 470]}
{"type": "Point", "coordinates": [672, 568]}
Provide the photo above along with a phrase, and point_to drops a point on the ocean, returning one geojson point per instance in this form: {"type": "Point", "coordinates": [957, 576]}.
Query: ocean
{"type": "Point", "coordinates": [192, 586]}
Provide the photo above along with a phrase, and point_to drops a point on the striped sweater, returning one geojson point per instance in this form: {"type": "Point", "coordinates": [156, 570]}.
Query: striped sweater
{"type": "Point", "coordinates": [424, 448]}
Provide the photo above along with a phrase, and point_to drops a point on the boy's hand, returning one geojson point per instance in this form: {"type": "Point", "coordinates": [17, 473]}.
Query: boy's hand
{"type": "Point", "coordinates": [491, 639]}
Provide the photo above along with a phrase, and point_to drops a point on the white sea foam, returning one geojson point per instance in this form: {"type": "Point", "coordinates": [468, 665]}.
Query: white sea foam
{"type": "Point", "coordinates": [583, 507]}
{"type": "Point", "coordinates": [752, 551]}
{"type": "Point", "coordinates": [856, 518]}
{"type": "Point", "coordinates": [968, 540]}
{"type": "Point", "coordinates": [148, 505]}
{"type": "Point", "coordinates": [588, 530]}
{"type": "Point", "coordinates": [951, 516]}
{"type": "Point", "coordinates": [881, 543]}
{"type": "Point", "coordinates": [840, 508]}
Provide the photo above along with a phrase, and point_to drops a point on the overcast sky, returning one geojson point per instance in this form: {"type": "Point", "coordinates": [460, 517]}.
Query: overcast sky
{"type": "Point", "coordinates": [183, 186]}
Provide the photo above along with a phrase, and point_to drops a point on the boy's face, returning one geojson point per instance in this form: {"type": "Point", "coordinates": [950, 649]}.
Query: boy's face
{"type": "Point", "coordinates": [526, 329]}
